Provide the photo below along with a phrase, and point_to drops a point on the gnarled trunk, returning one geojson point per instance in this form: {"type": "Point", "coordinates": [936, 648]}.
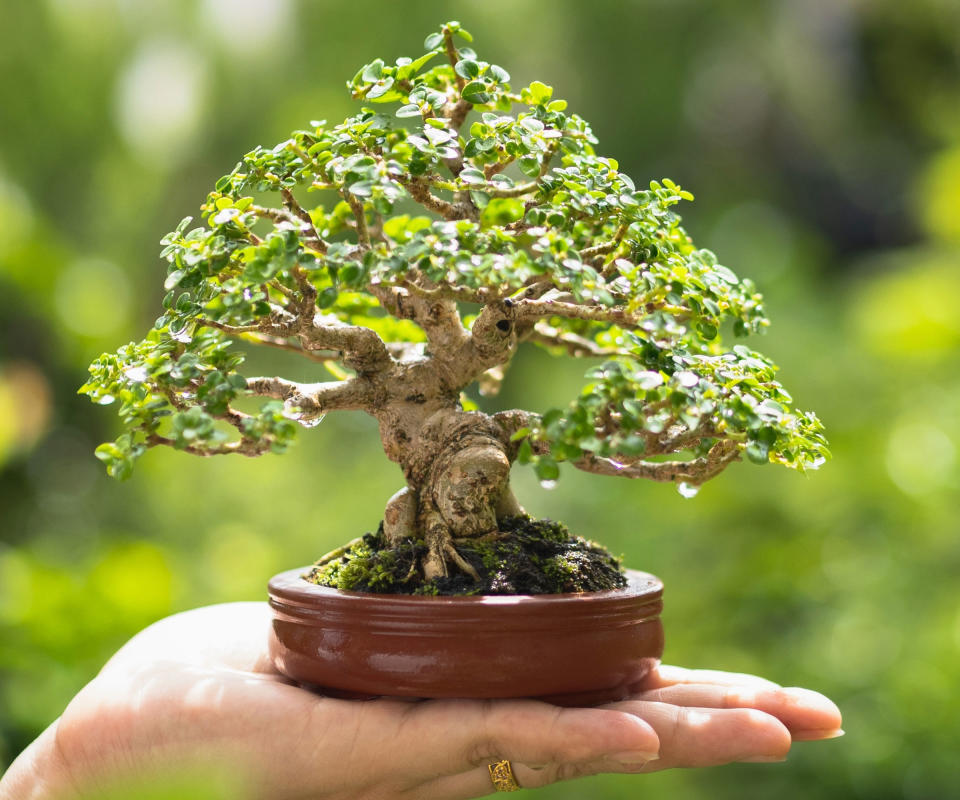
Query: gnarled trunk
{"type": "Point", "coordinates": [457, 467]}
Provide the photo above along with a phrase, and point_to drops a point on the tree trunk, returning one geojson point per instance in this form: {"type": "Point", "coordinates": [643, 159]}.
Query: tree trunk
{"type": "Point", "coordinates": [458, 486]}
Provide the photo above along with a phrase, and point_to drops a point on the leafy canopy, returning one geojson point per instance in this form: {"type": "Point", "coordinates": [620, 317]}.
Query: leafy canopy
{"type": "Point", "coordinates": [514, 208]}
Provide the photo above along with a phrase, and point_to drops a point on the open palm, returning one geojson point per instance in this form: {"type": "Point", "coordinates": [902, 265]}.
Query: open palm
{"type": "Point", "coordinates": [198, 689]}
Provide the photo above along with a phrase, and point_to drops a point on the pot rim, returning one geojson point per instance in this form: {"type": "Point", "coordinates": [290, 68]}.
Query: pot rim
{"type": "Point", "coordinates": [294, 597]}
{"type": "Point", "coordinates": [291, 585]}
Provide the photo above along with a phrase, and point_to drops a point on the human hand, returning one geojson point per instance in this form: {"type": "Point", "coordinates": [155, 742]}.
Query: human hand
{"type": "Point", "coordinates": [197, 690]}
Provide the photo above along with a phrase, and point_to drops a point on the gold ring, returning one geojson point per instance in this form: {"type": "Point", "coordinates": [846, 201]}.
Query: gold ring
{"type": "Point", "coordinates": [502, 777]}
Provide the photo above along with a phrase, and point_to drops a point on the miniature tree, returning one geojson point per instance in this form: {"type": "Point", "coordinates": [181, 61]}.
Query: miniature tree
{"type": "Point", "coordinates": [436, 249]}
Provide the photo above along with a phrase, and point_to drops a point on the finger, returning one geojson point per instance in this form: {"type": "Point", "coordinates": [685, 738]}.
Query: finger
{"type": "Point", "coordinates": [458, 739]}
{"type": "Point", "coordinates": [458, 735]}
{"type": "Point", "coordinates": [689, 737]}
{"type": "Point", "coordinates": [703, 737]}
{"type": "Point", "coordinates": [478, 783]}
{"type": "Point", "coordinates": [666, 675]}
{"type": "Point", "coordinates": [804, 712]}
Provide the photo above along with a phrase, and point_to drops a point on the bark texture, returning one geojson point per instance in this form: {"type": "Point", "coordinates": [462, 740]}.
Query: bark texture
{"type": "Point", "coordinates": [456, 463]}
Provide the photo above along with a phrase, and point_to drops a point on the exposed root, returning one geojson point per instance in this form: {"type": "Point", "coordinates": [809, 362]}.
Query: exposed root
{"type": "Point", "coordinates": [400, 516]}
{"type": "Point", "coordinates": [508, 505]}
{"type": "Point", "coordinates": [460, 561]}
{"type": "Point", "coordinates": [493, 536]}
{"type": "Point", "coordinates": [434, 566]}
{"type": "Point", "coordinates": [441, 551]}
{"type": "Point", "coordinates": [411, 573]}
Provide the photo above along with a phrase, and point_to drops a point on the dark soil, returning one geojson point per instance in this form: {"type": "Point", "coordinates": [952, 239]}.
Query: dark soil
{"type": "Point", "coordinates": [528, 556]}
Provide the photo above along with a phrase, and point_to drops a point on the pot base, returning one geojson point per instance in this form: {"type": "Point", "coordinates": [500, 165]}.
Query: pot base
{"type": "Point", "coordinates": [568, 649]}
{"type": "Point", "coordinates": [568, 700]}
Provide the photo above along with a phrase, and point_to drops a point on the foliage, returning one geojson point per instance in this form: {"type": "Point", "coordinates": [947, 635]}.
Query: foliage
{"type": "Point", "coordinates": [580, 259]}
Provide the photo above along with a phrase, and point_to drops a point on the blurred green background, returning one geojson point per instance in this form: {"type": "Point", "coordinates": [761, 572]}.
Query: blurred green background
{"type": "Point", "coordinates": [822, 139]}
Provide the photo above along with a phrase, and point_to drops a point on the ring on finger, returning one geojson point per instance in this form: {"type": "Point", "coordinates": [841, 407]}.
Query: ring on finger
{"type": "Point", "coordinates": [502, 777]}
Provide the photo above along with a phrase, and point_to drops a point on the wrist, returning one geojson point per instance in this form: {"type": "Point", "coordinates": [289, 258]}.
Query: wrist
{"type": "Point", "coordinates": [40, 772]}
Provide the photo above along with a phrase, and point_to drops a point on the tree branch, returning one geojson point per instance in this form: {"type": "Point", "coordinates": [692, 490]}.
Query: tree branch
{"type": "Point", "coordinates": [537, 309]}
{"type": "Point", "coordinates": [492, 341]}
{"type": "Point", "coordinates": [232, 330]}
{"type": "Point", "coordinates": [495, 190]}
{"type": "Point", "coordinates": [244, 447]}
{"type": "Point", "coordinates": [575, 345]}
{"type": "Point", "coordinates": [290, 202]}
{"type": "Point", "coordinates": [452, 55]}
{"type": "Point", "coordinates": [284, 216]}
{"type": "Point", "coordinates": [316, 399]}
{"type": "Point", "coordinates": [360, 219]}
{"type": "Point", "coordinates": [435, 311]}
{"type": "Point", "coordinates": [419, 192]}
{"type": "Point", "coordinates": [457, 112]}
{"type": "Point", "coordinates": [463, 294]}
{"type": "Point", "coordinates": [492, 169]}
{"type": "Point", "coordinates": [363, 350]}
{"type": "Point", "coordinates": [694, 472]}
{"type": "Point", "coordinates": [605, 247]}
{"type": "Point", "coordinates": [284, 344]}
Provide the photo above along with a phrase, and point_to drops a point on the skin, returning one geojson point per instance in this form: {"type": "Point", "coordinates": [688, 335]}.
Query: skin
{"type": "Point", "coordinates": [197, 690]}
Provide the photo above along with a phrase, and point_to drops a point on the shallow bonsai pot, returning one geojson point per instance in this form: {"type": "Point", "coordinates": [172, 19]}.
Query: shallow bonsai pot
{"type": "Point", "coordinates": [568, 649]}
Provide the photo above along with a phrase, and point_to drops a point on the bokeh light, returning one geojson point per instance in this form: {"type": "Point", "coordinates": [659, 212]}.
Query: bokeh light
{"type": "Point", "coordinates": [160, 99]}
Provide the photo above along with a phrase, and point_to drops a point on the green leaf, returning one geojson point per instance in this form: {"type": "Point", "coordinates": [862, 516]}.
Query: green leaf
{"type": "Point", "coordinates": [546, 469]}
{"type": "Point", "coordinates": [502, 211]}
{"type": "Point", "coordinates": [471, 175]}
{"type": "Point", "coordinates": [539, 93]}
{"type": "Point", "coordinates": [521, 433]}
{"type": "Point", "coordinates": [380, 90]}
{"type": "Point", "coordinates": [532, 124]}
{"type": "Point", "coordinates": [327, 297]}
{"type": "Point", "coordinates": [361, 188]}
{"type": "Point", "coordinates": [530, 166]}
{"type": "Point", "coordinates": [499, 74]}
{"type": "Point", "coordinates": [373, 71]}
{"type": "Point", "coordinates": [411, 68]}
{"type": "Point", "coordinates": [476, 93]}
{"type": "Point", "coordinates": [467, 69]}
{"type": "Point", "coordinates": [758, 452]}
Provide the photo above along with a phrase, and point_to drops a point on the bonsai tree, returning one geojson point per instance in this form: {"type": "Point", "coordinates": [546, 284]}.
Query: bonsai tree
{"type": "Point", "coordinates": [410, 251]}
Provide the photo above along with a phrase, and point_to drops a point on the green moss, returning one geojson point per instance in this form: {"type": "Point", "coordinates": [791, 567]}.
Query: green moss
{"type": "Point", "coordinates": [527, 556]}
{"type": "Point", "coordinates": [369, 566]}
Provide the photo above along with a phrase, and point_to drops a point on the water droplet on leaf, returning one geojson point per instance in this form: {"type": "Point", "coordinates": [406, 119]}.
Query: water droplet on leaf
{"type": "Point", "coordinates": [136, 374]}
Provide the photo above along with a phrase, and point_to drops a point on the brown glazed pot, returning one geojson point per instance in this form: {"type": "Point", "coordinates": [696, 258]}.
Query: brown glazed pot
{"type": "Point", "coordinates": [568, 649]}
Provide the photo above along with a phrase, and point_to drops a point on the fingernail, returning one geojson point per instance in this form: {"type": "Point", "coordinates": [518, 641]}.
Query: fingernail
{"type": "Point", "coordinates": [812, 700]}
{"type": "Point", "coordinates": [763, 759]}
{"type": "Point", "coordinates": [632, 758]}
{"type": "Point", "coordinates": [816, 735]}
